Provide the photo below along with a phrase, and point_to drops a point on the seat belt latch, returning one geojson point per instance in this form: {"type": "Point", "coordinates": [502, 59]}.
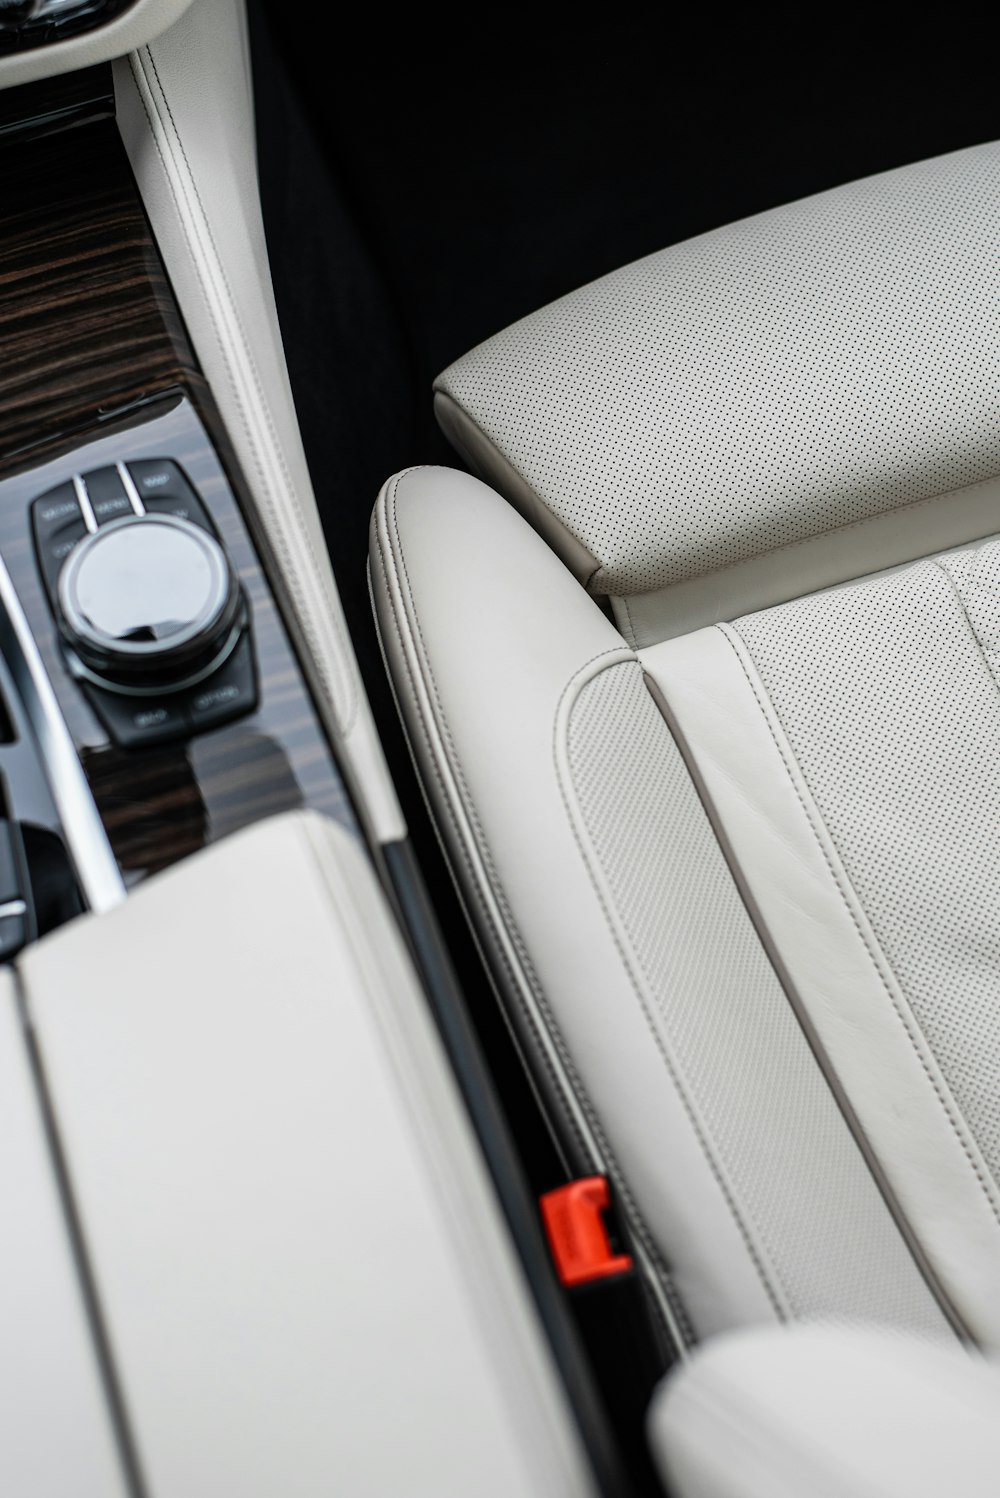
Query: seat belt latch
{"type": "Point", "coordinates": [573, 1217]}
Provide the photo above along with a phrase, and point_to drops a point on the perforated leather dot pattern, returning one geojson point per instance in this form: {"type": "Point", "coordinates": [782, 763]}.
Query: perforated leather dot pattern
{"type": "Point", "coordinates": [887, 692]}
{"type": "Point", "coordinates": [769, 1117]}
{"type": "Point", "coordinates": [800, 371]}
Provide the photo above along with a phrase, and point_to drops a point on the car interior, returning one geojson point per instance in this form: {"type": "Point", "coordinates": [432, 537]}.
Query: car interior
{"type": "Point", "coordinates": [499, 659]}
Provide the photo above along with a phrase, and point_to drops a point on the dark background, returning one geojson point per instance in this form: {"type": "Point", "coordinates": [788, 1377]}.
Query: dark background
{"type": "Point", "coordinates": [424, 186]}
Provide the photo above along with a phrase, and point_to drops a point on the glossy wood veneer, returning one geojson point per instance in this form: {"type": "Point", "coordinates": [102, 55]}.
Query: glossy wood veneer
{"type": "Point", "coordinates": [87, 319]}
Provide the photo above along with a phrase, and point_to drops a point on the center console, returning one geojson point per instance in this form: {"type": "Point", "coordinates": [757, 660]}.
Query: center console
{"type": "Point", "coordinates": [152, 689]}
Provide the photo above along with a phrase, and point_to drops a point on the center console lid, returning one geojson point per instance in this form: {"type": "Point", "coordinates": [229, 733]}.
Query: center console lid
{"type": "Point", "coordinates": [302, 1273]}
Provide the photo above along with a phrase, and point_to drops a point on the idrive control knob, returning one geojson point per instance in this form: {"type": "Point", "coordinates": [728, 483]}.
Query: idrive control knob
{"type": "Point", "coordinates": [149, 603]}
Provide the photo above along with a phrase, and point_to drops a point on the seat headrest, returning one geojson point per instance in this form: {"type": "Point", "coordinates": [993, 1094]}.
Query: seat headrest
{"type": "Point", "coordinates": [776, 380]}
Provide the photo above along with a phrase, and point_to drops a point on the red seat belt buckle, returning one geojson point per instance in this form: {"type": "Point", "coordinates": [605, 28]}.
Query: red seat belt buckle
{"type": "Point", "coordinates": [573, 1217]}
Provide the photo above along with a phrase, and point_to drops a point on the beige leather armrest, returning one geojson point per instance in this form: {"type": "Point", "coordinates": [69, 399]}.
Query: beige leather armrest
{"type": "Point", "coordinates": [833, 1412]}
{"type": "Point", "coordinates": [300, 1264]}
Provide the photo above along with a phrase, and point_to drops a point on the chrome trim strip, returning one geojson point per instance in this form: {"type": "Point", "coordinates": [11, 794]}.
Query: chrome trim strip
{"type": "Point", "coordinates": [84, 673]}
{"type": "Point", "coordinates": [13, 907]}
{"type": "Point", "coordinates": [87, 843]}
{"type": "Point", "coordinates": [128, 483]}
{"type": "Point", "coordinates": [86, 508]}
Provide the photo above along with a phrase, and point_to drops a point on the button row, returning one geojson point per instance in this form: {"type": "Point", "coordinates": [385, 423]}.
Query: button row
{"type": "Point", "coordinates": [59, 522]}
{"type": "Point", "coordinates": [134, 722]}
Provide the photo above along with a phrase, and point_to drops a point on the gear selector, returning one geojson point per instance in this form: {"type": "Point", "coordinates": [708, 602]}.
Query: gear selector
{"type": "Point", "coordinates": [154, 623]}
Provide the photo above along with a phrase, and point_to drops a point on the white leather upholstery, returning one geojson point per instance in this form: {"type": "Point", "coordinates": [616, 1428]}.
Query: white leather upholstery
{"type": "Point", "coordinates": [846, 743]}
{"type": "Point", "coordinates": [832, 1412]}
{"type": "Point", "coordinates": [739, 884]}
{"type": "Point", "coordinates": [917, 530]}
{"type": "Point", "coordinates": [56, 1430]}
{"type": "Point", "coordinates": [304, 1275]}
{"type": "Point", "coordinates": [185, 112]}
{"type": "Point", "coordinates": [714, 409]}
{"type": "Point", "coordinates": [641, 990]}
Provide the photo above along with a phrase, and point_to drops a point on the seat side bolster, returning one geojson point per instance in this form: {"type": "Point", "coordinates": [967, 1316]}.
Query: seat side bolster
{"type": "Point", "coordinates": [483, 631]}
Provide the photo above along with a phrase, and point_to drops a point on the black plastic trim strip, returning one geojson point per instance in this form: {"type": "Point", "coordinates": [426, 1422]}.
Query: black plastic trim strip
{"type": "Point", "coordinates": [55, 104]}
{"type": "Point", "coordinates": [448, 1007]}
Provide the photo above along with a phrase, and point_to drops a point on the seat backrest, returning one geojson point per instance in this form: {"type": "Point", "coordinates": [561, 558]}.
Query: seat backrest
{"type": "Point", "coordinates": [771, 408]}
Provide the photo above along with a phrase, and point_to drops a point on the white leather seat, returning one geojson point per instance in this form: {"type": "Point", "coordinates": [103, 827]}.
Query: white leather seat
{"type": "Point", "coordinates": [712, 741]}
{"type": "Point", "coordinates": [830, 1411]}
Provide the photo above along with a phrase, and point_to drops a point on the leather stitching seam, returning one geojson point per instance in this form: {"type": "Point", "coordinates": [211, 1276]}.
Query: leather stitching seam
{"type": "Point", "coordinates": [960, 599]}
{"type": "Point", "coordinates": [699, 1129]}
{"type": "Point", "coordinates": [788, 546]}
{"type": "Point", "coordinates": [835, 530]}
{"type": "Point", "coordinates": [631, 625]}
{"type": "Point", "coordinates": [907, 1027]}
{"type": "Point", "coordinates": [456, 829]}
{"type": "Point", "coordinates": [388, 504]}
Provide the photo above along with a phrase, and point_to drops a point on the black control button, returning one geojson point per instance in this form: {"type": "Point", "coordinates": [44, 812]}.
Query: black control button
{"type": "Point", "coordinates": [164, 490]}
{"type": "Point", "coordinates": [53, 552]}
{"type": "Point", "coordinates": [107, 496]}
{"type": "Point", "coordinates": [142, 600]}
{"type": "Point", "coordinates": [58, 525]}
{"type": "Point", "coordinates": [54, 511]}
{"type": "Point", "coordinates": [135, 722]}
{"type": "Point", "coordinates": [153, 476]}
{"type": "Point", "coordinates": [228, 693]}
{"type": "Point", "coordinates": [59, 546]}
{"type": "Point", "coordinates": [148, 601]}
{"type": "Point", "coordinates": [185, 509]}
